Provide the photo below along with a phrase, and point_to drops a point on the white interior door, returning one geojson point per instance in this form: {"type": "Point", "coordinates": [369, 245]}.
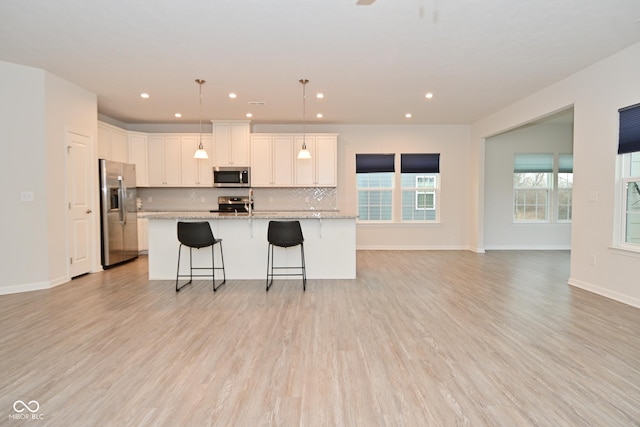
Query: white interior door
{"type": "Point", "coordinates": [80, 216]}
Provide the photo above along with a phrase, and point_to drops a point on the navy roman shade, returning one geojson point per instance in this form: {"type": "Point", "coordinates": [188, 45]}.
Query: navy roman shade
{"type": "Point", "coordinates": [629, 140]}
{"type": "Point", "coordinates": [420, 163]}
{"type": "Point", "coordinates": [371, 163]}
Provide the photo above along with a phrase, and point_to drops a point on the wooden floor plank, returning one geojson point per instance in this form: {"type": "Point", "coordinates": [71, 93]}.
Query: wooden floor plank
{"type": "Point", "coordinates": [434, 338]}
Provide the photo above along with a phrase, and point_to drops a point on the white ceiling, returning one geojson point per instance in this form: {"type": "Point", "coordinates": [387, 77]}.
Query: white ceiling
{"type": "Point", "coordinates": [373, 63]}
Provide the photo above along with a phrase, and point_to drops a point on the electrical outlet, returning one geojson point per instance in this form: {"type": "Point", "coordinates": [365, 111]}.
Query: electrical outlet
{"type": "Point", "coordinates": [26, 196]}
{"type": "Point", "coordinates": [270, 199]}
{"type": "Point", "coordinates": [149, 199]}
{"type": "Point", "coordinates": [201, 199]}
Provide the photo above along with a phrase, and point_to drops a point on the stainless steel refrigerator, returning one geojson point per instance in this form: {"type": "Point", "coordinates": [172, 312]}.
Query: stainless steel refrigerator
{"type": "Point", "coordinates": [118, 212]}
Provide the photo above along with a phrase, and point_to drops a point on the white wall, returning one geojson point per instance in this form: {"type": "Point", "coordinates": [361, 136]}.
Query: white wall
{"type": "Point", "coordinates": [36, 109]}
{"type": "Point", "coordinates": [68, 108]}
{"type": "Point", "coordinates": [24, 260]}
{"type": "Point", "coordinates": [500, 230]}
{"type": "Point", "coordinates": [596, 93]}
{"type": "Point", "coordinates": [451, 141]}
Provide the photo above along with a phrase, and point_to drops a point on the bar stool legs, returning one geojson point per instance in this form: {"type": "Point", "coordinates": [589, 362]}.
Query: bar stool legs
{"type": "Point", "coordinates": [285, 234]}
{"type": "Point", "coordinates": [198, 235]}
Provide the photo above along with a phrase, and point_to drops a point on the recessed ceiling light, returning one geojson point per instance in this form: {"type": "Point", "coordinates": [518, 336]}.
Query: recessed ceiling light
{"type": "Point", "coordinates": [319, 115]}
{"type": "Point", "coordinates": [408, 115]}
{"type": "Point", "coordinates": [144, 95]}
{"type": "Point", "coordinates": [249, 115]}
{"type": "Point", "coordinates": [320, 95]}
{"type": "Point", "coordinates": [233, 95]}
{"type": "Point", "coordinates": [178, 115]}
{"type": "Point", "coordinates": [429, 95]}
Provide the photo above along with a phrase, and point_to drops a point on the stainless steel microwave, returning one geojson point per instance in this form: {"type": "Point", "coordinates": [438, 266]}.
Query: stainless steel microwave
{"type": "Point", "coordinates": [227, 176]}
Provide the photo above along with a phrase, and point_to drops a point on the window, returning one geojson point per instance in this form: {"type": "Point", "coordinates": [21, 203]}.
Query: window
{"type": "Point", "coordinates": [629, 149]}
{"type": "Point", "coordinates": [565, 187]}
{"type": "Point", "coordinates": [631, 199]}
{"type": "Point", "coordinates": [419, 184]}
{"type": "Point", "coordinates": [542, 188]}
{"type": "Point", "coordinates": [374, 181]}
{"type": "Point", "coordinates": [532, 184]}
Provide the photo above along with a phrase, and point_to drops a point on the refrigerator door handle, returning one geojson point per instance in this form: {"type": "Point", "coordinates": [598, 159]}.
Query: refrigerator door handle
{"type": "Point", "coordinates": [123, 195]}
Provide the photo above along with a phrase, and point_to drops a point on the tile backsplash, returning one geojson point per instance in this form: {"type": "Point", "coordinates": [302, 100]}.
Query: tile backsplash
{"type": "Point", "coordinates": [265, 199]}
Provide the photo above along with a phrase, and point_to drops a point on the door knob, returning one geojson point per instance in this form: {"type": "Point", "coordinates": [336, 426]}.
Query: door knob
{"type": "Point", "coordinates": [89, 211]}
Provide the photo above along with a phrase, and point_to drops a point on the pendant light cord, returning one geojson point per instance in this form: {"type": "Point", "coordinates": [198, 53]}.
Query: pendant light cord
{"type": "Point", "coordinates": [200, 82]}
{"type": "Point", "coordinates": [304, 113]}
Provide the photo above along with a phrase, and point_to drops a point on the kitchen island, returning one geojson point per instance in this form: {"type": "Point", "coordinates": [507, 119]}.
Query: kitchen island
{"type": "Point", "coordinates": [329, 244]}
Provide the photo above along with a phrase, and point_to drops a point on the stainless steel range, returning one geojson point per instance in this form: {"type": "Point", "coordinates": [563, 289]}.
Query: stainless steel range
{"type": "Point", "coordinates": [234, 205]}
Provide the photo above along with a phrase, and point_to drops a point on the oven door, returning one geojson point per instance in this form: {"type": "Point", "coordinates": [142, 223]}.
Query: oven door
{"type": "Point", "coordinates": [231, 177]}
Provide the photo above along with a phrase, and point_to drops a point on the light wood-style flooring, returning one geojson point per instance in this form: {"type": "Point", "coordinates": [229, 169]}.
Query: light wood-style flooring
{"type": "Point", "coordinates": [420, 338]}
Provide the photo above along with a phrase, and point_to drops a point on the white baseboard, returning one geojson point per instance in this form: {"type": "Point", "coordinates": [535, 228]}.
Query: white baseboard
{"type": "Point", "coordinates": [526, 248]}
{"type": "Point", "coordinates": [36, 286]}
{"type": "Point", "coordinates": [607, 293]}
{"type": "Point", "coordinates": [412, 248]}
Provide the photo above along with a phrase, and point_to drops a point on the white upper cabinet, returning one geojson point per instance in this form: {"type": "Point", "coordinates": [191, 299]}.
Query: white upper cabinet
{"type": "Point", "coordinates": [261, 155]}
{"type": "Point", "coordinates": [196, 172]}
{"type": "Point", "coordinates": [112, 143]}
{"type": "Point", "coordinates": [231, 143]}
{"type": "Point", "coordinates": [283, 154]}
{"type": "Point", "coordinates": [320, 170]}
{"type": "Point", "coordinates": [271, 160]}
{"type": "Point", "coordinates": [164, 161]}
{"type": "Point", "coordinates": [138, 155]}
{"type": "Point", "coordinates": [104, 142]}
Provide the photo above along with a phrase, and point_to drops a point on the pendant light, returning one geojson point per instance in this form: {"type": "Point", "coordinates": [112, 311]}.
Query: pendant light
{"type": "Point", "coordinates": [200, 152]}
{"type": "Point", "coordinates": [304, 153]}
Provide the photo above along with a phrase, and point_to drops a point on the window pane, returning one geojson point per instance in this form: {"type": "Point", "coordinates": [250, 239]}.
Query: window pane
{"type": "Point", "coordinates": [633, 229]}
{"type": "Point", "coordinates": [565, 180]}
{"type": "Point", "coordinates": [632, 232]}
{"type": "Point", "coordinates": [531, 180]}
{"type": "Point", "coordinates": [635, 164]}
{"type": "Point", "coordinates": [531, 205]}
{"type": "Point", "coordinates": [418, 180]}
{"type": "Point", "coordinates": [375, 195]}
{"type": "Point", "coordinates": [419, 196]}
{"type": "Point", "coordinates": [374, 198]}
{"type": "Point", "coordinates": [564, 213]}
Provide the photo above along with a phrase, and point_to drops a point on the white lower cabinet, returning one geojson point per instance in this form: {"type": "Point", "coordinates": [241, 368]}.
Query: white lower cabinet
{"type": "Point", "coordinates": [143, 235]}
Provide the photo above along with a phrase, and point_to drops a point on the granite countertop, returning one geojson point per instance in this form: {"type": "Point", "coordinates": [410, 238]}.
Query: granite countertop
{"type": "Point", "coordinates": [256, 215]}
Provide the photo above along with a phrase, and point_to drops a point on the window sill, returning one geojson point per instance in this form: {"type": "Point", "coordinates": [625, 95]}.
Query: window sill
{"type": "Point", "coordinates": [403, 224]}
{"type": "Point", "coordinates": [550, 224]}
{"type": "Point", "coordinates": [630, 251]}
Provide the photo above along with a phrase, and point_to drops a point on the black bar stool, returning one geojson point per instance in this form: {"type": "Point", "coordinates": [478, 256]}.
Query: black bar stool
{"type": "Point", "coordinates": [198, 235]}
{"type": "Point", "coordinates": [285, 234]}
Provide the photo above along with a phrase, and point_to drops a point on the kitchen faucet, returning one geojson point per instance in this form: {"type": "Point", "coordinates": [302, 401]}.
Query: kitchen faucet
{"type": "Point", "coordinates": [249, 205]}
